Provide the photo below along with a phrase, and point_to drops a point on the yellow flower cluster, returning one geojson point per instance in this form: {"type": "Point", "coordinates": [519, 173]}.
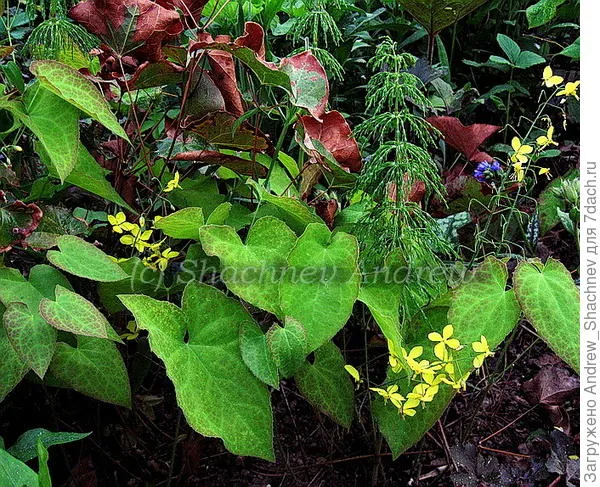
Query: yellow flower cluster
{"type": "Point", "coordinates": [137, 236]}
{"type": "Point", "coordinates": [522, 152]}
{"type": "Point", "coordinates": [428, 374]}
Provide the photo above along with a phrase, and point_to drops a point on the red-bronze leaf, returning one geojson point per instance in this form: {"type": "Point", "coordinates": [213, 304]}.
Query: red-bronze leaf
{"type": "Point", "coordinates": [223, 73]}
{"type": "Point", "coordinates": [134, 27]}
{"type": "Point", "coordinates": [465, 138]}
{"type": "Point", "coordinates": [190, 8]}
{"type": "Point", "coordinates": [335, 135]}
{"type": "Point", "coordinates": [326, 209]}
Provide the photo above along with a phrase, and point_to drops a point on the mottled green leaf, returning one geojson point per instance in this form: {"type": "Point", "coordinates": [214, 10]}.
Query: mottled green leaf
{"type": "Point", "coordinates": [480, 306]}
{"type": "Point", "coordinates": [73, 313]}
{"type": "Point", "coordinates": [83, 259]}
{"type": "Point", "coordinates": [199, 345]}
{"type": "Point", "coordinates": [12, 368]}
{"type": "Point", "coordinates": [252, 270]}
{"type": "Point", "coordinates": [550, 300]}
{"type": "Point", "coordinates": [288, 346]}
{"type": "Point", "coordinates": [542, 12]}
{"type": "Point", "coordinates": [256, 354]}
{"type": "Point", "coordinates": [31, 337]}
{"type": "Point", "coordinates": [94, 367]}
{"type": "Point", "coordinates": [75, 88]}
{"type": "Point", "coordinates": [327, 385]}
{"type": "Point", "coordinates": [183, 224]}
{"type": "Point", "coordinates": [321, 283]}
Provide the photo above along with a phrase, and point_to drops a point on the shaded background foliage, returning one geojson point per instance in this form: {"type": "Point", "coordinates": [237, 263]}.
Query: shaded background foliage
{"type": "Point", "coordinates": [489, 435]}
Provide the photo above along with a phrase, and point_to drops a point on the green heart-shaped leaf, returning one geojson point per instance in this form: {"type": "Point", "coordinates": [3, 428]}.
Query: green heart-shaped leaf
{"type": "Point", "coordinates": [200, 347]}
{"type": "Point", "coordinates": [550, 300]}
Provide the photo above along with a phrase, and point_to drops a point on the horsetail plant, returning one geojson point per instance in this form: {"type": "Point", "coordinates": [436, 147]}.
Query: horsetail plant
{"type": "Point", "coordinates": [399, 164]}
{"type": "Point", "coordinates": [56, 37]}
{"type": "Point", "coordinates": [317, 25]}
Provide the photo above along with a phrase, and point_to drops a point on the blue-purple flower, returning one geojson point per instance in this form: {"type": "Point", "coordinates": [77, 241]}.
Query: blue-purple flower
{"type": "Point", "coordinates": [486, 171]}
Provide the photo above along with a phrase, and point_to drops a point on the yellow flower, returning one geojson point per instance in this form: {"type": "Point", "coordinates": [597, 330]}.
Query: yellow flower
{"type": "Point", "coordinates": [408, 408]}
{"type": "Point", "coordinates": [354, 373]}
{"type": "Point", "coordinates": [163, 258]}
{"type": "Point", "coordinates": [445, 340]}
{"type": "Point", "coordinates": [132, 331]}
{"type": "Point", "coordinates": [545, 140]}
{"type": "Point", "coordinates": [173, 183]}
{"type": "Point", "coordinates": [425, 369]}
{"type": "Point", "coordinates": [551, 79]}
{"type": "Point", "coordinates": [520, 151]}
{"type": "Point", "coordinates": [483, 350]}
{"type": "Point", "coordinates": [519, 171]}
{"type": "Point", "coordinates": [546, 171]}
{"type": "Point", "coordinates": [150, 263]}
{"type": "Point", "coordinates": [138, 238]}
{"type": "Point", "coordinates": [570, 89]}
{"type": "Point", "coordinates": [423, 392]}
{"type": "Point", "coordinates": [434, 380]}
{"type": "Point", "coordinates": [390, 393]}
{"type": "Point", "coordinates": [411, 356]}
{"type": "Point", "coordinates": [394, 358]}
{"type": "Point", "coordinates": [119, 223]}
{"type": "Point", "coordinates": [458, 383]}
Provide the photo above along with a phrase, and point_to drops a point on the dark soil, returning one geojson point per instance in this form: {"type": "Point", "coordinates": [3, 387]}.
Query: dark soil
{"type": "Point", "coordinates": [152, 443]}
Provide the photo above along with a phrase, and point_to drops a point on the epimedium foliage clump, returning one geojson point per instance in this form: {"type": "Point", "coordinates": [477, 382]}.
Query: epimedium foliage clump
{"type": "Point", "coordinates": [196, 180]}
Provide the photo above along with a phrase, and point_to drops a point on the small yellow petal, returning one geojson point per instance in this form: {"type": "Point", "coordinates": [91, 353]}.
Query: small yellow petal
{"type": "Point", "coordinates": [478, 361]}
{"type": "Point", "coordinates": [440, 351]}
{"type": "Point", "coordinates": [448, 331]}
{"type": "Point", "coordinates": [434, 336]}
{"type": "Point", "coordinates": [515, 143]}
